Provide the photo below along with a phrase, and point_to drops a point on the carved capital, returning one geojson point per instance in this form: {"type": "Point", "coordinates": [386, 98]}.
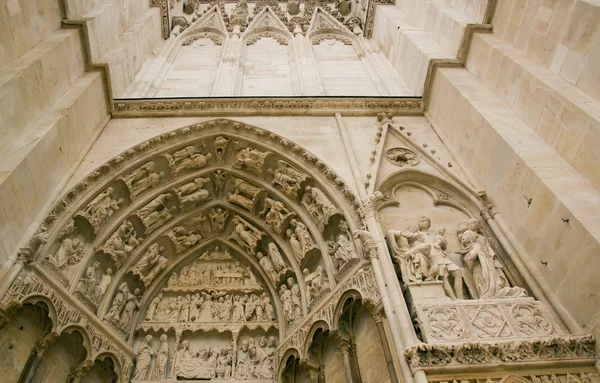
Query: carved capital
{"type": "Point", "coordinates": [79, 371]}
{"type": "Point", "coordinates": [488, 212]}
{"type": "Point", "coordinates": [42, 344]}
{"type": "Point", "coordinates": [370, 204]}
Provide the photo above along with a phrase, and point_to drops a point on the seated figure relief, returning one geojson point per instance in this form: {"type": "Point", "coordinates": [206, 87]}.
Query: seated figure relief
{"type": "Point", "coordinates": [245, 194]}
{"type": "Point", "coordinates": [156, 213]}
{"type": "Point", "coordinates": [188, 158]}
{"type": "Point", "coordinates": [193, 192]}
{"type": "Point", "coordinates": [142, 179]}
{"type": "Point", "coordinates": [121, 243]}
{"type": "Point", "coordinates": [151, 264]}
{"type": "Point", "coordinates": [318, 205]}
{"type": "Point", "coordinates": [71, 250]}
{"type": "Point", "coordinates": [101, 208]}
{"type": "Point", "coordinates": [183, 239]}
{"type": "Point", "coordinates": [287, 179]}
{"type": "Point", "coordinates": [245, 235]}
{"type": "Point", "coordinates": [276, 214]}
{"type": "Point", "coordinates": [250, 159]}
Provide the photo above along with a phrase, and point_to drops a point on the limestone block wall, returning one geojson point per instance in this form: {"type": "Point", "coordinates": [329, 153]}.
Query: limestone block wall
{"type": "Point", "coordinates": [267, 69]}
{"type": "Point", "coordinates": [369, 352]}
{"type": "Point", "coordinates": [523, 124]}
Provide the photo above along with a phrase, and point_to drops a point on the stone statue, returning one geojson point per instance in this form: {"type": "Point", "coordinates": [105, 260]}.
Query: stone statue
{"type": "Point", "coordinates": [287, 179]}
{"type": "Point", "coordinates": [296, 300]}
{"type": "Point", "coordinates": [142, 179]}
{"type": "Point", "coordinates": [276, 214]}
{"type": "Point", "coordinates": [219, 177]}
{"type": "Point", "coordinates": [316, 283]}
{"type": "Point", "coordinates": [285, 295]}
{"type": "Point", "coordinates": [412, 253]}
{"type": "Point", "coordinates": [87, 283]}
{"type": "Point", "coordinates": [121, 243]}
{"type": "Point", "coordinates": [245, 194]}
{"type": "Point", "coordinates": [153, 308]}
{"type": "Point", "coordinates": [102, 285]}
{"type": "Point", "coordinates": [243, 362]}
{"type": "Point", "coordinates": [318, 205]}
{"type": "Point", "coordinates": [342, 250]}
{"type": "Point", "coordinates": [194, 365]}
{"type": "Point", "coordinates": [183, 239]}
{"type": "Point", "coordinates": [193, 192]}
{"type": "Point", "coordinates": [133, 302]}
{"type": "Point", "coordinates": [144, 359]}
{"type": "Point", "coordinates": [188, 158]}
{"type": "Point", "coordinates": [69, 253]}
{"type": "Point", "coordinates": [267, 266]}
{"type": "Point", "coordinates": [118, 304]}
{"type": "Point", "coordinates": [223, 370]}
{"type": "Point", "coordinates": [245, 235]}
{"type": "Point", "coordinates": [486, 271]}
{"type": "Point", "coordinates": [218, 218]}
{"type": "Point", "coordinates": [220, 144]}
{"type": "Point", "coordinates": [151, 264]}
{"type": "Point", "coordinates": [101, 208]}
{"type": "Point", "coordinates": [251, 159]}
{"type": "Point", "coordinates": [162, 356]}
{"type": "Point", "coordinates": [303, 237]}
{"type": "Point", "coordinates": [276, 258]}
{"type": "Point", "coordinates": [156, 213]}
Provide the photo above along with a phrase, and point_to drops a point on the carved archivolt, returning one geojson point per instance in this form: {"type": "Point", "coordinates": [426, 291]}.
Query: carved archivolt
{"type": "Point", "coordinates": [146, 218]}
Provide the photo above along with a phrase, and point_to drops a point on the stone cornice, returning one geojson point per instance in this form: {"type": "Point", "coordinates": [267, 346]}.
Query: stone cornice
{"type": "Point", "coordinates": [240, 106]}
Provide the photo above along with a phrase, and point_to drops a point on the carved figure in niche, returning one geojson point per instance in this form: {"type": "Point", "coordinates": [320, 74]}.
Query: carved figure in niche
{"type": "Point", "coordinates": [187, 158]}
{"type": "Point", "coordinates": [296, 300]}
{"type": "Point", "coordinates": [184, 314]}
{"type": "Point", "coordinates": [295, 245]}
{"type": "Point", "coordinates": [402, 156]}
{"type": "Point", "coordinates": [488, 277]}
{"type": "Point", "coordinates": [144, 359]}
{"type": "Point", "coordinates": [173, 280]}
{"type": "Point", "coordinates": [269, 312]}
{"type": "Point", "coordinates": [243, 362]}
{"type": "Point", "coordinates": [316, 283]}
{"type": "Point", "coordinates": [249, 278]}
{"type": "Point", "coordinates": [412, 252]}
{"type": "Point", "coordinates": [142, 179]}
{"type": "Point", "coordinates": [133, 303]}
{"type": "Point", "coordinates": [151, 264]}
{"type": "Point", "coordinates": [250, 308]}
{"type": "Point", "coordinates": [287, 179]}
{"type": "Point", "coordinates": [70, 251]}
{"type": "Point", "coordinates": [342, 250]}
{"type": "Point", "coordinates": [275, 214]}
{"type": "Point", "coordinates": [102, 285]}
{"type": "Point", "coordinates": [285, 295]}
{"type": "Point", "coordinates": [318, 205]}
{"type": "Point", "coordinates": [87, 283]}
{"type": "Point", "coordinates": [220, 143]}
{"type": "Point", "coordinates": [245, 235]}
{"type": "Point", "coordinates": [267, 266]}
{"type": "Point", "coordinates": [276, 258]}
{"type": "Point", "coordinates": [162, 356]}
{"type": "Point", "coordinates": [238, 309]}
{"type": "Point", "coordinates": [303, 238]}
{"type": "Point", "coordinates": [183, 239]}
{"type": "Point", "coordinates": [156, 213]}
{"type": "Point", "coordinates": [153, 308]}
{"type": "Point", "coordinates": [219, 177]}
{"type": "Point", "coordinates": [218, 218]}
{"type": "Point", "coordinates": [121, 243]}
{"type": "Point", "coordinates": [251, 159]}
{"type": "Point", "coordinates": [163, 310]}
{"type": "Point", "coordinates": [102, 208]}
{"type": "Point", "coordinates": [118, 304]}
{"type": "Point", "coordinates": [226, 307]}
{"type": "Point", "coordinates": [244, 194]}
{"type": "Point", "coordinates": [193, 192]}
{"type": "Point", "coordinates": [223, 370]}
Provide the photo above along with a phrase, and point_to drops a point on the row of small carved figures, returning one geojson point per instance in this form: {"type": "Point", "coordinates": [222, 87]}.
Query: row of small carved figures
{"type": "Point", "coordinates": [253, 360]}
{"type": "Point", "coordinates": [208, 307]}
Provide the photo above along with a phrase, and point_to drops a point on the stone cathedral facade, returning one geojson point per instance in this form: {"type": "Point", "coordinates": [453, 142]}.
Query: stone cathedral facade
{"type": "Point", "coordinates": [311, 191]}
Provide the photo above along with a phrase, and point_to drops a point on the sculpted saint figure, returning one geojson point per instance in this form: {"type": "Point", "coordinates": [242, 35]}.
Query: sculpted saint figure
{"type": "Point", "coordinates": [342, 250]}
{"type": "Point", "coordinates": [102, 208]}
{"type": "Point", "coordinates": [245, 235]}
{"type": "Point", "coordinates": [151, 264]}
{"type": "Point", "coordinates": [156, 213]}
{"type": "Point", "coordinates": [303, 235]}
{"type": "Point", "coordinates": [193, 192]}
{"type": "Point", "coordinates": [487, 274]}
{"type": "Point", "coordinates": [142, 179]}
{"type": "Point", "coordinates": [276, 257]}
{"type": "Point", "coordinates": [153, 308]}
{"type": "Point", "coordinates": [287, 179]}
{"type": "Point", "coordinates": [133, 303]}
{"type": "Point", "coordinates": [296, 300]}
{"type": "Point", "coordinates": [244, 194]}
{"type": "Point", "coordinates": [275, 214]}
{"type": "Point", "coordinates": [238, 309]}
{"type": "Point", "coordinates": [267, 266]}
{"type": "Point", "coordinates": [102, 285]}
{"type": "Point", "coordinates": [316, 282]}
{"type": "Point", "coordinates": [87, 283]}
{"type": "Point", "coordinates": [412, 252]}
{"type": "Point", "coordinates": [224, 364]}
{"type": "Point", "coordinates": [121, 243]}
{"type": "Point", "coordinates": [285, 295]}
{"type": "Point", "coordinates": [187, 158]}
{"type": "Point", "coordinates": [243, 362]}
{"type": "Point", "coordinates": [118, 304]}
{"type": "Point", "coordinates": [144, 359]}
{"type": "Point", "coordinates": [162, 355]}
{"type": "Point", "coordinates": [218, 218]}
{"type": "Point", "coordinates": [183, 239]}
{"type": "Point", "coordinates": [268, 307]}
{"type": "Point", "coordinates": [318, 205]}
{"type": "Point", "coordinates": [184, 314]}
{"type": "Point", "coordinates": [250, 159]}
{"type": "Point", "coordinates": [70, 253]}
